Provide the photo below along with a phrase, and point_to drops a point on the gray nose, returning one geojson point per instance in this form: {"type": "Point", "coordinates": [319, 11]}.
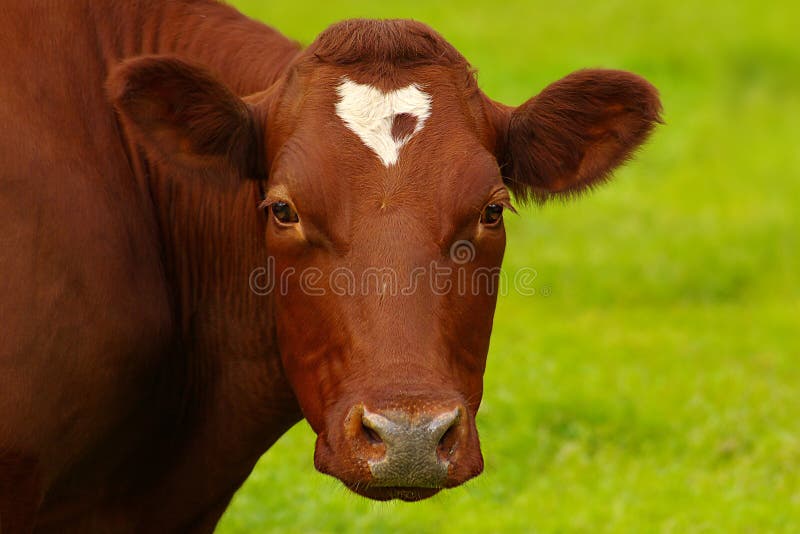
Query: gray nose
{"type": "Point", "coordinates": [418, 446]}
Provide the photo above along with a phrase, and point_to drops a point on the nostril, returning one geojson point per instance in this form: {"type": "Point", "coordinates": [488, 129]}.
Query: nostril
{"type": "Point", "coordinates": [447, 444]}
{"type": "Point", "coordinates": [375, 427]}
{"type": "Point", "coordinates": [371, 435]}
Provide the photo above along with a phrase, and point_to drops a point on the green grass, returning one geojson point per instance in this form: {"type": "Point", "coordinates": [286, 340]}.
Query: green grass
{"type": "Point", "coordinates": [656, 388]}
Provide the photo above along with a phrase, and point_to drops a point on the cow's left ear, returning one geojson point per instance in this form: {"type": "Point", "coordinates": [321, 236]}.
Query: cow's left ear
{"type": "Point", "coordinates": [574, 133]}
{"type": "Point", "coordinates": [181, 113]}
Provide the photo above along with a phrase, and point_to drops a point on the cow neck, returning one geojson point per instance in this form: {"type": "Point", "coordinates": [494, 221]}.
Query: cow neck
{"type": "Point", "coordinates": [213, 236]}
{"type": "Point", "coordinates": [247, 55]}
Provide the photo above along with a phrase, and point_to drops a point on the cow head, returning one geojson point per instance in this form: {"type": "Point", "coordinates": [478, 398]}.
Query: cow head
{"type": "Point", "coordinates": [386, 173]}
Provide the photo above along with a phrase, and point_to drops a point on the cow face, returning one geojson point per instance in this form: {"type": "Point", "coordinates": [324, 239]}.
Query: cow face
{"type": "Point", "coordinates": [386, 199]}
{"type": "Point", "coordinates": [386, 176]}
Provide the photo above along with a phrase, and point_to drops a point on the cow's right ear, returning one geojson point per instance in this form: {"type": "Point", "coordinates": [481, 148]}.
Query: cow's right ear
{"type": "Point", "coordinates": [181, 113]}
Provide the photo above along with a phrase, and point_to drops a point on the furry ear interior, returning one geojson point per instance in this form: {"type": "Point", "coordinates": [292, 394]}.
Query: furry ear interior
{"type": "Point", "coordinates": [180, 113]}
{"type": "Point", "coordinates": [574, 133]}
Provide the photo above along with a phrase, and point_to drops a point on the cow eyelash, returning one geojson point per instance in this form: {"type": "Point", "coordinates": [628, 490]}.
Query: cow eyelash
{"type": "Point", "coordinates": [506, 203]}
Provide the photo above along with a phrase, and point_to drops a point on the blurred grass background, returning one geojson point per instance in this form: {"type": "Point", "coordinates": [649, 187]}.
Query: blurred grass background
{"type": "Point", "coordinates": [656, 387]}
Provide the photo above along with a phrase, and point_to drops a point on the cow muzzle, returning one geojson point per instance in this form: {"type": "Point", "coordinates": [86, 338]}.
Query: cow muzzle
{"type": "Point", "coordinates": [416, 449]}
{"type": "Point", "coordinates": [407, 454]}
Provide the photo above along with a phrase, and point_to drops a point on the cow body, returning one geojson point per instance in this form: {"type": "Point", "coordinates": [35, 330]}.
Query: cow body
{"type": "Point", "coordinates": [141, 376]}
{"type": "Point", "coordinates": [120, 371]}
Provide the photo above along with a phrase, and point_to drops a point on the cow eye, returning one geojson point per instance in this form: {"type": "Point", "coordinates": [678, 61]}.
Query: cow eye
{"type": "Point", "coordinates": [284, 213]}
{"type": "Point", "coordinates": [492, 214]}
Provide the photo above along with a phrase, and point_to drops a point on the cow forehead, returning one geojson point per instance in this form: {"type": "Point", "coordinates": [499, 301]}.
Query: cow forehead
{"type": "Point", "coordinates": [383, 121]}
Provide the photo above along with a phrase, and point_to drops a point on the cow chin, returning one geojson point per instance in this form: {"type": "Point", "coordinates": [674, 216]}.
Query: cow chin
{"type": "Point", "coordinates": [406, 454]}
{"type": "Point", "coordinates": [388, 494]}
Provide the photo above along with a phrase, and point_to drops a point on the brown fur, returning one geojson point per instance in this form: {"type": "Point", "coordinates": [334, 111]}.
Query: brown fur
{"type": "Point", "coordinates": [403, 126]}
{"type": "Point", "coordinates": [575, 132]}
{"type": "Point", "coordinates": [140, 378]}
{"type": "Point", "coordinates": [180, 111]}
{"type": "Point", "coordinates": [399, 43]}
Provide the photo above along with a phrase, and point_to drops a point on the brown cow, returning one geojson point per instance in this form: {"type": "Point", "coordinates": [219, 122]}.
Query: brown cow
{"type": "Point", "coordinates": [142, 372]}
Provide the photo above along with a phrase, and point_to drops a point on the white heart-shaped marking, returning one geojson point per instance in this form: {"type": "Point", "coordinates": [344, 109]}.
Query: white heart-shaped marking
{"type": "Point", "coordinates": [370, 113]}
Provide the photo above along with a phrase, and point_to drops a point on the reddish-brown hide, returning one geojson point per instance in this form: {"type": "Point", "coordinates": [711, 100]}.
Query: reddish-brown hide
{"type": "Point", "coordinates": [141, 373]}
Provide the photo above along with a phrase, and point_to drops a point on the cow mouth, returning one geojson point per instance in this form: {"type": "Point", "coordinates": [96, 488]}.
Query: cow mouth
{"type": "Point", "coordinates": [389, 493]}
